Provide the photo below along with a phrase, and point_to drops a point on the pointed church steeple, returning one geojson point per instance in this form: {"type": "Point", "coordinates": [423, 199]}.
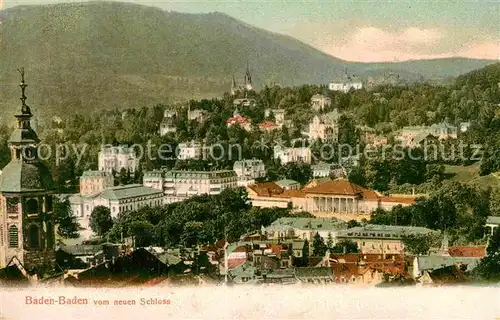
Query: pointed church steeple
{"type": "Point", "coordinates": [234, 87]}
{"type": "Point", "coordinates": [248, 79]}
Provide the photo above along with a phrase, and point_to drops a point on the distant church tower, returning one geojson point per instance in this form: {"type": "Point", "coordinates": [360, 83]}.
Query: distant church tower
{"type": "Point", "coordinates": [234, 87]}
{"type": "Point", "coordinates": [248, 80]}
{"type": "Point", "coordinates": [26, 227]}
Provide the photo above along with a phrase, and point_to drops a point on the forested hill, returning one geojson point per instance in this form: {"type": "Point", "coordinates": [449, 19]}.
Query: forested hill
{"type": "Point", "coordinates": [99, 55]}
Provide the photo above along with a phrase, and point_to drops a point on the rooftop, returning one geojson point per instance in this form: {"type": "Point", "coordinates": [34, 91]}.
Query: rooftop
{"type": "Point", "coordinates": [19, 176]}
{"type": "Point", "coordinates": [342, 187]}
{"type": "Point", "coordinates": [308, 223]}
{"type": "Point", "coordinates": [94, 174]}
{"type": "Point", "coordinates": [493, 220]}
{"type": "Point", "coordinates": [129, 191]}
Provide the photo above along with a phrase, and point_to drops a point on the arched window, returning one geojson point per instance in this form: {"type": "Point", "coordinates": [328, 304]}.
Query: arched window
{"type": "Point", "coordinates": [13, 237]}
{"type": "Point", "coordinates": [34, 236]}
{"type": "Point", "coordinates": [31, 206]}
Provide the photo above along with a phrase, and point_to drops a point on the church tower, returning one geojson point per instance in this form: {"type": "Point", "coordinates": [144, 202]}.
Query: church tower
{"type": "Point", "coordinates": [248, 80]}
{"type": "Point", "coordinates": [26, 227]}
{"type": "Point", "coordinates": [234, 87]}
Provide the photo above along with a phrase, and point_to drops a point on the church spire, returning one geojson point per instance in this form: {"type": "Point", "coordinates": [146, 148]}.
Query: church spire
{"type": "Point", "coordinates": [234, 88]}
{"type": "Point", "coordinates": [248, 79]}
{"type": "Point", "coordinates": [25, 110]}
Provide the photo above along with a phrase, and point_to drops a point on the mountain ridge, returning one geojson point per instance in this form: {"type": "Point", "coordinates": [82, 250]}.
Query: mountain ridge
{"type": "Point", "coordinates": [93, 55]}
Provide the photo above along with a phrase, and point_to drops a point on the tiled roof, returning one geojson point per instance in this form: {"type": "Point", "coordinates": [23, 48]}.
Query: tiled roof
{"type": "Point", "coordinates": [308, 272]}
{"type": "Point", "coordinates": [81, 250]}
{"type": "Point", "coordinates": [404, 200]}
{"type": "Point", "coordinates": [437, 262]}
{"type": "Point", "coordinates": [266, 189]}
{"type": "Point", "coordinates": [342, 187]}
{"type": "Point", "coordinates": [129, 191]}
{"type": "Point", "coordinates": [467, 251]}
{"type": "Point", "coordinates": [19, 176]}
{"type": "Point", "coordinates": [238, 119]}
{"type": "Point", "coordinates": [286, 182]}
{"type": "Point", "coordinates": [267, 124]}
{"type": "Point", "coordinates": [308, 223]}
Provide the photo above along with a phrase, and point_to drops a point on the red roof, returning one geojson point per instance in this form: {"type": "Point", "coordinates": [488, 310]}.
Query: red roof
{"type": "Point", "coordinates": [342, 187]}
{"type": "Point", "coordinates": [238, 119]}
{"type": "Point", "coordinates": [266, 189]}
{"type": "Point", "coordinates": [267, 124]}
{"type": "Point", "coordinates": [403, 200]}
{"type": "Point", "coordinates": [467, 251]}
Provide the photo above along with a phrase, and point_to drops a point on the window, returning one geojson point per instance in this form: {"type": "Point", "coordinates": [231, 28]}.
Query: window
{"type": "Point", "coordinates": [13, 237]}
{"type": "Point", "coordinates": [31, 206]}
{"type": "Point", "coordinates": [48, 203]}
{"type": "Point", "coordinates": [34, 236]}
{"type": "Point", "coordinates": [12, 205]}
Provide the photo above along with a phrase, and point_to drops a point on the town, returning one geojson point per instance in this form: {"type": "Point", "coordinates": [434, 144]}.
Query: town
{"type": "Point", "coordinates": [280, 210]}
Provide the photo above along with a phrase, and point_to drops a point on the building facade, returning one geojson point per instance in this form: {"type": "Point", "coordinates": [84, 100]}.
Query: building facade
{"type": "Point", "coordinates": [189, 150]}
{"type": "Point", "coordinates": [240, 120]}
{"type": "Point", "coordinates": [178, 185]}
{"type": "Point", "coordinates": [117, 199]}
{"type": "Point", "coordinates": [320, 102]}
{"type": "Point", "coordinates": [289, 155]}
{"type": "Point", "coordinates": [26, 224]}
{"type": "Point", "coordinates": [95, 181]}
{"type": "Point", "coordinates": [115, 158]}
{"type": "Point", "coordinates": [380, 239]}
{"type": "Point", "coordinates": [345, 85]}
{"type": "Point", "coordinates": [325, 127]}
{"type": "Point", "coordinates": [253, 168]}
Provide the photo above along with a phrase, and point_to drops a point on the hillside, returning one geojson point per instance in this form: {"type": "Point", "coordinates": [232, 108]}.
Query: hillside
{"type": "Point", "coordinates": [105, 55]}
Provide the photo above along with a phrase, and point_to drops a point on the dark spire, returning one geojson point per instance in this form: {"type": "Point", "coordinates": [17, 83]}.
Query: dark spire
{"type": "Point", "coordinates": [25, 110]}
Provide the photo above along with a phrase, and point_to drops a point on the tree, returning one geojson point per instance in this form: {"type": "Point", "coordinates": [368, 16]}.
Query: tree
{"type": "Point", "coordinates": [319, 246]}
{"type": "Point", "coordinates": [488, 268]}
{"type": "Point", "coordinates": [67, 226]}
{"type": "Point", "coordinates": [419, 244]}
{"type": "Point", "coordinates": [142, 231]}
{"type": "Point", "coordinates": [346, 246]}
{"type": "Point", "coordinates": [100, 220]}
{"type": "Point", "coordinates": [353, 223]}
{"type": "Point", "coordinates": [329, 241]}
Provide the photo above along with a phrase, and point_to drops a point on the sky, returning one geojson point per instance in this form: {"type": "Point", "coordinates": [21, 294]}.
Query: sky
{"type": "Point", "coordinates": [362, 30]}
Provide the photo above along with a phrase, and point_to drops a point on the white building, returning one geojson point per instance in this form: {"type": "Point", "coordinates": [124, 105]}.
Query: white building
{"type": "Point", "coordinates": [179, 185]}
{"type": "Point", "coordinates": [320, 102]}
{"type": "Point", "coordinates": [279, 116]}
{"type": "Point", "coordinates": [198, 115]}
{"type": "Point", "coordinates": [167, 126]}
{"type": "Point", "coordinates": [117, 199]}
{"type": "Point", "coordinates": [321, 170]}
{"type": "Point", "coordinates": [325, 126]}
{"type": "Point", "coordinates": [115, 158]}
{"type": "Point", "coordinates": [346, 85]}
{"type": "Point", "coordinates": [287, 155]}
{"type": "Point", "coordinates": [189, 150]}
{"type": "Point", "coordinates": [253, 168]}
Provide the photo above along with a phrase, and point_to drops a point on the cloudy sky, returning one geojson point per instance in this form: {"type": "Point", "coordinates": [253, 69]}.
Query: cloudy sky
{"type": "Point", "coordinates": [363, 30]}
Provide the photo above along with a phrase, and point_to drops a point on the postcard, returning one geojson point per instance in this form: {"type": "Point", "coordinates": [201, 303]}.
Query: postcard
{"type": "Point", "coordinates": [249, 159]}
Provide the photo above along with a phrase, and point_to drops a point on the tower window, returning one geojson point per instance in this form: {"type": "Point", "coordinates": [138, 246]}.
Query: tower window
{"type": "Point", "coordinates": [13, 237]}
{"type": "Point", "coordinates": [31, 206]}
{"type": "Point", "coordinates": [12, 205]}
{"type": "Point", "coordinates": [34, 239]}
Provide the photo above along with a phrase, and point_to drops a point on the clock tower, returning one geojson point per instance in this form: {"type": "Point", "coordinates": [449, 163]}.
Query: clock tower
{"type": "Point", "coordinates": [26, 227]}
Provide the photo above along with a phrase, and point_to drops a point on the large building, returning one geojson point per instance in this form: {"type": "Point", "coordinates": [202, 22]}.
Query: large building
{"type": "Point", "coordinates": [332, 198]}
{"type": "Point", "coordinates": [189, 150]}
{"type": "Point", "coordinates": [289, 155]}
{"type": "Point", "coordinates": [380, 239]}
{"type": "Point", "coordinates": [179, 185]}
{"type": "Point", "coordinates": [247, 84]}
{"type": "Point", "coordinates": [303, 228]}
{"type": "Point", "coordinates": [92, 182]}
{"type": "Point", "coordinates": [253, 168]}
{"type": "Point", "coordinates": [322, 170]}
{"type": "Point", "coordinates": [325, 127]}
{"type": "Point", "coordinates": [26, 226]}
{"type": "Point", "coordinates": [118, 199]}
{"type": "Point", "coordinates": [115, 158]}
{"type": "Point", "coordinates": [413, 136]}
{"type": "Point", "coordinates": [346, 84]}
